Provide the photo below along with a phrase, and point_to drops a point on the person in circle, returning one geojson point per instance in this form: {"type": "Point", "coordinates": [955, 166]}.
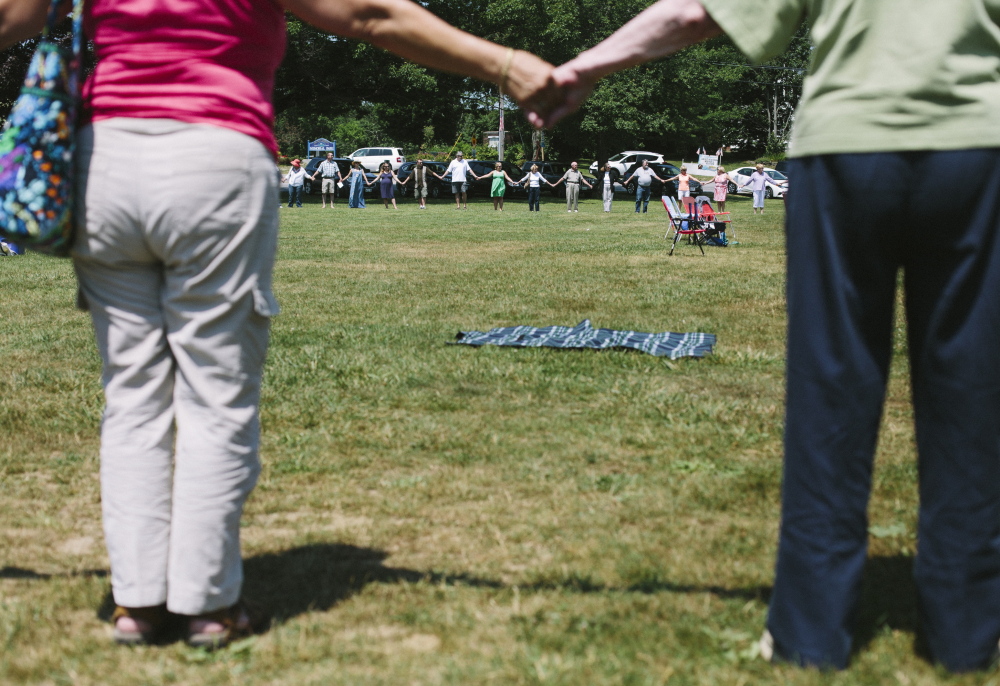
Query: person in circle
{"type": "Point", "coordinates": [683, 183]}
{"type": "Point", "coordinates": [296, 178]}
{"type": "Point", "coordinates": [330, 174]}
{"type": "Point", "coordinates": [721, 181]}
{"type": "Point", "coordinates": [386, 179]}
{"type": "Point", "coordinates": [357, 180]}
{"type": "Point", "coordinates": [177, 273]}
{"type": "Point", "coordinates": [498, 186]}
{"type": "Point", "coordinates": [573, 178]}
{"type": "Point", "coordinates": [534, 180]}
{"type": "Point", "coordinates": [644, 176]}
{"type": "Point", "coordinates": [606, 179]}
{"type": "Point", "coordinates": [459, 170]}
{"type": "Point", "coordinates": [871, 109]}
{"type": "Point", "coordinates": [420, 182]}
{"type": "Point", "coordinates": [758, 183]}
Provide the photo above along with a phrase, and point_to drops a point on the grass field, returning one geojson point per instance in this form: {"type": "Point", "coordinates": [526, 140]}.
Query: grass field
{"type": "Point", "coordinates": [436, 514]}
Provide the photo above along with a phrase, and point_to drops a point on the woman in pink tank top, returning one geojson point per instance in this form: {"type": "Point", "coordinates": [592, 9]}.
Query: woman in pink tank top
{"type": "Point", "coordinates": [174, 252]}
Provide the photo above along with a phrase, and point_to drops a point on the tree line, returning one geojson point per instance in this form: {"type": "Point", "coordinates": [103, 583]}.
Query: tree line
{"type": "Point", "coordinates": [345, 90]}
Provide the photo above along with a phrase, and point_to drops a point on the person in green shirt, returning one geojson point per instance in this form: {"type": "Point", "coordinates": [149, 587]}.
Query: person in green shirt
{"type": "Point", "coordinates": [895, 89]}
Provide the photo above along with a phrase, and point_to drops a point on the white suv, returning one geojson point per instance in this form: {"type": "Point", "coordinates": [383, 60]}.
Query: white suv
{"type": "Point", "coordinates": [372, 158]}
{"type": "Point", "coordinates": [623, 160]}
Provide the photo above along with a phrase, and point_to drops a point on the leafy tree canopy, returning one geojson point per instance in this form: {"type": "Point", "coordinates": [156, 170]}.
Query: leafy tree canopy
{"type": "Point", "coordinates": [361, 96]}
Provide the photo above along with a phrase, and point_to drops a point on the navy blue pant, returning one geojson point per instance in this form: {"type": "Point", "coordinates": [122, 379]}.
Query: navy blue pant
{"type": "Point", "coordinates": [534, 193]}
{"type": "Point", "coordinates": [295, 196]}
{"type": "Point", "coordinates": [854, 221]}
{"type": "Point", "coordinates": [641, 198]}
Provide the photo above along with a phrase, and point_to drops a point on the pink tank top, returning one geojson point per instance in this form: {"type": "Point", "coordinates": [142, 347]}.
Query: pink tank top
{"type": "Point", "coordinates": [197, 61]}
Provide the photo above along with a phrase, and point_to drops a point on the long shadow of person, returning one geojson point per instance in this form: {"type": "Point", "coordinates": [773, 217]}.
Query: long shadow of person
{"type": "Point", "coordinates": [285, 584]}
{"type": "Point", "coordinates": [315, 577]}
{"type": "Point", "coordinates": [319, 576]}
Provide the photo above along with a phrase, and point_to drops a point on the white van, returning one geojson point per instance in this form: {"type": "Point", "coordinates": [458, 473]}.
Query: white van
{"type": "Point", "coordinates": [372, 158]}
{"type": "Point", "coordinates": [623, 160]}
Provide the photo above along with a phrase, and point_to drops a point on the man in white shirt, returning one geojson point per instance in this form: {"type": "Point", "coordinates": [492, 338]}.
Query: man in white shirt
{"type": "Point", "coordinates": [459, 170]}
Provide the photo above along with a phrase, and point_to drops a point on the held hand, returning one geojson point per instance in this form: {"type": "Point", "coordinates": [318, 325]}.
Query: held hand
{"type": "Point", "coordinates": [572, 88]}
{"type": "Point", "coordinates": [529, 82]}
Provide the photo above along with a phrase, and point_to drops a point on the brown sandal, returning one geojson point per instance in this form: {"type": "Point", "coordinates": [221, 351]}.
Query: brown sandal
{"type": "Point", "coordinates": [148, 623]}
{"type": "Point", "coordinates": [237, 621]}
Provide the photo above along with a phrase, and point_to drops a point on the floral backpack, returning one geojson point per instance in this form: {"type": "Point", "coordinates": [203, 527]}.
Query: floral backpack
{"type": "Point", "coordinates": [37, 144]}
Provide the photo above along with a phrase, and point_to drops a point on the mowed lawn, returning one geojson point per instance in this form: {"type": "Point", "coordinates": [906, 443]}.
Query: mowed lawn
{"type": "Point", "coordinates": [438, 514]}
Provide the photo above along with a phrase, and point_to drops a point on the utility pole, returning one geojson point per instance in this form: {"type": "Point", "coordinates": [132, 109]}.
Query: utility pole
{"type": "Point", "coordinates": [502, 135]}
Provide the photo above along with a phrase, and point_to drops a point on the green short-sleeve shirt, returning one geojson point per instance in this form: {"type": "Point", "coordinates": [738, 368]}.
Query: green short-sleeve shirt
{"type": "Point", "coordinates": [885, 75]}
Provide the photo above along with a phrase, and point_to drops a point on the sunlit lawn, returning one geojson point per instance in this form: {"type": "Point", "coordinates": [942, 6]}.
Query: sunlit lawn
{"type": "Point", "coordinates": [431, 513]}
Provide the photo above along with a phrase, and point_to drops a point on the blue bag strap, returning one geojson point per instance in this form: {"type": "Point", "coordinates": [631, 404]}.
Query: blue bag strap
{"type": "Point", "coordinates": [50, 25]}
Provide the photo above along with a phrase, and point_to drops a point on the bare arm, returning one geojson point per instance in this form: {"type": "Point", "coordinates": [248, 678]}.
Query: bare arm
{"type": "Point", "coordinates": [659, 30]}
{"type": "Point", "coordinates": [23, 19]}
{"type": "Point", "coordinates": [408, 30]}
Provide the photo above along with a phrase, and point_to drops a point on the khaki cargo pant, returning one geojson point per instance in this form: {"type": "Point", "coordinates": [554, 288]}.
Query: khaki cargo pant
{"type": "Point", "coordinates": [176, 236]}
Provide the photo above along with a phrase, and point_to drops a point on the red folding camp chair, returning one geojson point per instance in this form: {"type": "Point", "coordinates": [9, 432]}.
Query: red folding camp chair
{"type": "Point", "coordinates": [718, 220]}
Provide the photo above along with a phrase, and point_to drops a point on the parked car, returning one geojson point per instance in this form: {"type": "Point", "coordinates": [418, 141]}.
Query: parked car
{"type": "Point", "coordinates": [433, 185]}
{"type": "Point", "coordinates": [623, 160]}
{"type": "Point", "coordinates": [553, 172]}
{"type": "Point", "coordinates": [664, 171]}
{"type": "Point", "coordinates": [742, 176]}
{"type": "Point", "coordinates": [372, 158]}
{"type": "Point", "coordinates": [312, 164]}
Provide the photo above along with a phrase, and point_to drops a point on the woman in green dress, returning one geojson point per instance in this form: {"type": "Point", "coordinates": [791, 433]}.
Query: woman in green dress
{"type": "Point", "coordinates": [500, 180]}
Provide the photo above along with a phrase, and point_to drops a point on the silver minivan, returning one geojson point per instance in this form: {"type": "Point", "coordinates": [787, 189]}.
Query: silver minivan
{"type": "Point", "coordinates": [372, 158]}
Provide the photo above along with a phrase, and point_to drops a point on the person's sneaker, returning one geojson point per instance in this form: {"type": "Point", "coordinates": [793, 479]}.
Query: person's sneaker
{"type": "Point", "coordinates": [766, 646]}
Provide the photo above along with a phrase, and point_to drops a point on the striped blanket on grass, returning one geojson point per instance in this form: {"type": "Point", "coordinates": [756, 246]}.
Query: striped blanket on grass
{"type": "Point", "coordinates": [583, 335]}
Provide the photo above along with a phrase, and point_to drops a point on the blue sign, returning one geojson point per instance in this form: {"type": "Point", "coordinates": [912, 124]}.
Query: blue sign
{"type": "Point", "coordinates": [321, 145]}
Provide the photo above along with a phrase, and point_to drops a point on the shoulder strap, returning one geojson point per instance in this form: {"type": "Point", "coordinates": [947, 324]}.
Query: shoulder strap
{"type": "Point", "coordinates": [50, 25]}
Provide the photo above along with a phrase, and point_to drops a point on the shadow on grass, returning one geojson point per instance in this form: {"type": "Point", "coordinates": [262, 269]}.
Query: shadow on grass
{"type": "Point", "coordinates": [318, 577]}
{"type": "Point", "coordinates": [20, 573]}
{"type": "Point", "coordinates": [888, 601]}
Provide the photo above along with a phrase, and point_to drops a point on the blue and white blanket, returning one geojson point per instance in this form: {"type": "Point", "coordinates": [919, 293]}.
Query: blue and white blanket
{"type": "Point", "coordinates": [583, 335]}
